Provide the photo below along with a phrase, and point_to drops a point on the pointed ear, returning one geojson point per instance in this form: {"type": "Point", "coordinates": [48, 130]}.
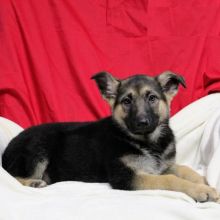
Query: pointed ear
{"type": "Point", "coordinates": [169, 82]}
{"type": "Point", "coordinates": [107, 85]}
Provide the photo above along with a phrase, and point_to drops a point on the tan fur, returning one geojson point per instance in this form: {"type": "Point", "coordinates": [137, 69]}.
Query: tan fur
{"type": "Point", "coordinates": [131, 91]}
{"type": "Point", "coordinates": [24, 181]}
{"type": "Point", "coordinates": [199, 192]}
{"type": "Point", "coordinates": [163, 110]}
{"type": "Point", "coordinates": [119, 115]}
{"type": "Point", "coordinates": [187, 173]}
{"type": "Point", "coordinates": [32, 182]}
{"type": "Point", "coordinates": [111, 101]}
{"type": "Point", "coordinates": [145, 89]}
{"type": "Point", "coordinates": [118, 112]}
{"type": "Point", "coordinates": [156, 133]}
{"type": "Point", "coordinates": [146, 162]}
{"type": "Point", "coordinates": [169, 96]}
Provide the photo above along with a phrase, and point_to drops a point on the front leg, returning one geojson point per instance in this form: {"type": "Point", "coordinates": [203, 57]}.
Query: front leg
{"type": "Point", "coordinates": [198, 192]}
{"type": "Point", "coordinates": [187, 173]}
{"type": "Point", "coordinates": [122, 177]}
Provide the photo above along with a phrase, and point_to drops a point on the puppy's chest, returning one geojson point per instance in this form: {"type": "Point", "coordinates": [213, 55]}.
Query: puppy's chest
{"type": "Point", "coordinates": [148, 163]}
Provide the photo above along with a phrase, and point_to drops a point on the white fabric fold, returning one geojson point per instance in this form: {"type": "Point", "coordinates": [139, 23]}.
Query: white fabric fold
{"type": "Point", "coordinates": [197, 130]}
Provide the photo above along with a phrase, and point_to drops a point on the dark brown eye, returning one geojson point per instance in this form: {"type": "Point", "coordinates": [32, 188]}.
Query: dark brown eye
{"type": "Point", "coordinates": [126, 101]}
{"type": "Point", "coordinates": [152, 98]}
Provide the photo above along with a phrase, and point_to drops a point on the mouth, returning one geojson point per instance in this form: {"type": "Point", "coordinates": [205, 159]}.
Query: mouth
{"type": "Point", "coordinates": [142, 131]}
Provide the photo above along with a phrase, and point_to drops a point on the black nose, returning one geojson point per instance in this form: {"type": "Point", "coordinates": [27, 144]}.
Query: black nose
{"type": "Point", "coordinates": [142, 123]}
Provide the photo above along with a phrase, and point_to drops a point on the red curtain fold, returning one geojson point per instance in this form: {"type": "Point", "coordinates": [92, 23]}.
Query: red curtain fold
{"type": "Point", "coordinates": [49, 49]}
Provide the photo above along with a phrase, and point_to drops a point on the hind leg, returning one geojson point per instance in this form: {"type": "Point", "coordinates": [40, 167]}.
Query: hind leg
{"type": "Point", "coordinates": [36, 179]}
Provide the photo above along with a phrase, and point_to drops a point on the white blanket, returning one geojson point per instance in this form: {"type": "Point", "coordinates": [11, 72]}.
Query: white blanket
{"type": "Point", "coordinates": [197, 129]}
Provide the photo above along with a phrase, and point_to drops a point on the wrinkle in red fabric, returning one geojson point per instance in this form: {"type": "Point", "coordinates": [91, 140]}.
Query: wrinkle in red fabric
{"type": "Point", "coordinates": [50, 49]}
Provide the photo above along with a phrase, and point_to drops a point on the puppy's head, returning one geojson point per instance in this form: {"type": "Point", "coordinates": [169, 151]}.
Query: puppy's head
{"type": "Point", "coordinates": [139, 103]}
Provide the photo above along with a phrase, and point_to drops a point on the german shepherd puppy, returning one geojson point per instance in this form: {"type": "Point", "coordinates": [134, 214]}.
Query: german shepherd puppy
{"type": "Point", "coordinates": [134, 149]}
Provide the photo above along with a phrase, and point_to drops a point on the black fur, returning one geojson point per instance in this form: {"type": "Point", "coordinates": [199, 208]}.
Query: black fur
{"type": "Point", "coordinates": [87, 152]}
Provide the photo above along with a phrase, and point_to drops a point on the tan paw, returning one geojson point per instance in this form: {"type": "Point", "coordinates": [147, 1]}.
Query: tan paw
{"type": "Point", "coordinates": [204, 193]}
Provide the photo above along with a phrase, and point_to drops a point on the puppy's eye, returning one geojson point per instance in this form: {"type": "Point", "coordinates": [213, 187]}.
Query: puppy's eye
{"type": "Point", "coordinates": [126, 101]}
{"type": "Point", "coordinates": [152, 98]}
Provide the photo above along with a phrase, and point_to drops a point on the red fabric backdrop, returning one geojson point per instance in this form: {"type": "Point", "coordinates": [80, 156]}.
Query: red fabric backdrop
{"type": "Point", "coordinates": [49, 49]}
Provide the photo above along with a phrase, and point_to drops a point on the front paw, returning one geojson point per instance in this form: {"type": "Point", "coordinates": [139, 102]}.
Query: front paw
{"type": "Point", "coordinates": [204, 193]}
